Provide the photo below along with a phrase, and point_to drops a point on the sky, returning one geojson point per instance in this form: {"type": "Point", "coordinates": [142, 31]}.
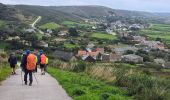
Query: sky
{"type": "Point", "coordinates": [138, 5]}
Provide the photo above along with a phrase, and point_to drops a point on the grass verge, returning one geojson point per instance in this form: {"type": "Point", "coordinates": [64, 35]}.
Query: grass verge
{"type": "Point", "coordinates": [82, 87]}
{"type": "Point", "coordinates": [4, 72]}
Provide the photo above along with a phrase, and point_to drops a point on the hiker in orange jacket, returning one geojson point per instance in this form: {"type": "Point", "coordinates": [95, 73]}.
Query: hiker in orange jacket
{"type": "Point", "coordinates": [43, 60]}
{"type": "Point", "coordinates": [30, 65]}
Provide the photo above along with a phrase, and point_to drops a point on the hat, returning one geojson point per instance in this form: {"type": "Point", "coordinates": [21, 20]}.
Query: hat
{"type": "Point", "coordinates": [27, 51]}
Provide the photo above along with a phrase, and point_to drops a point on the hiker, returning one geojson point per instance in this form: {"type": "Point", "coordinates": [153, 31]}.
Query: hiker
{"type": "Point", "coordinates": [28, 64]}
{"type": "Point", "coordinates": [43, 60]}
{"type": "Point", "coordinates": [12, 61]}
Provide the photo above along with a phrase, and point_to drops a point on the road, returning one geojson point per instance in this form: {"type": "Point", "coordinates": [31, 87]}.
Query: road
{"type": "Point", "coordinates": [47, 89]}
{"type": "Point", "coordinates": [33, 25]}
{"type": "Point", "coordinates": [36, 21]}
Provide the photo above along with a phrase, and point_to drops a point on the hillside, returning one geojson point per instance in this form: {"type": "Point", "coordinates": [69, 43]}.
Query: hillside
{"type": "Point", "coordinates": [48, 14]}
{"type": "Point", "coordinates": [11, 14]}
{"type": "Point", "coordinates": [77, 13]}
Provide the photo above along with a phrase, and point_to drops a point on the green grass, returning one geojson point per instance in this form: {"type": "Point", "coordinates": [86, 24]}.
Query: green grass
{"type": "Point", "coordinates": [82, 87]}
{"type": "Point", "coordinates": [103, 36]}
{"type": "Point", "coordinates": [5, 71]}
{"type": "Point", "coordinates": [70, 46]}
{"type": "Point", "coordinates": [51, 25]}
{"type": "Point", "coordinates": [2, 24]}
{"type": "Point", "coordinates": [75, 24]}
{"type": "Point", "coordinates": [3, 45]}
{"type": "Point", "coordinates": [158, 31]}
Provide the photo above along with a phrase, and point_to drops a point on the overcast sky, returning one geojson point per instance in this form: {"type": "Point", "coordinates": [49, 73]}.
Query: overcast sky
{"type": "Point", "coordinates": [140, 5]}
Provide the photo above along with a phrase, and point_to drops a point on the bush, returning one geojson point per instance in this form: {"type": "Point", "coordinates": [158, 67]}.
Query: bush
{"type": "Point", "coordinates": [80, 67]}
{"type": "Point", "coordinates": [3, 55]}
{"type": "Point", "coordinates": [105, 96]}
{"type": "Point", "coordinates": [78, 92]}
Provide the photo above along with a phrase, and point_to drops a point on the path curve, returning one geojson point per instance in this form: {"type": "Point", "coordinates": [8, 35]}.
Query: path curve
{"type": "Point", "coordinates": [47, 89]}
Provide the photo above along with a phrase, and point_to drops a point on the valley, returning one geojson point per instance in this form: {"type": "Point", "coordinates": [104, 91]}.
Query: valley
{"type": "Point", "coordinates": [95, 52]}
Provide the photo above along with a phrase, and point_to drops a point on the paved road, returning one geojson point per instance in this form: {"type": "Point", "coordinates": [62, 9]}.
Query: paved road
{"type": "Point", "coordinates": [47, 89]}
{"type": "Point", "coordinates": [35, 22]}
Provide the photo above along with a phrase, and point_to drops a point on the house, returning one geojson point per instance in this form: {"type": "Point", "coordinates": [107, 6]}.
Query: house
{"type": "Point", "coordinates": [65, 56]}
{"type": "Point", "coordinates": [49, 31]}
{"type": "Point", "coordinates": [123, 50]}
{"type": "Point", "coordinates": [166, 65]}
{"type": "Point", "coordinates": [111, 57]}
{"type": "Point", "coordinates": [85, 53]}
{"type": "Point", "coordinates": [132, 58]}
{"type": "Point", "coordinates": [153, 44]}
{"type": "Point", "coordinates": [81, 53]}
{"type": "Point", "coordinates": [159, 61]}
{"type": "Point", "coordinates": [115, 57]}
{"type": "Point", "coordinates": [93, 54]}
{"type": "Point", "coordinates": [138, 38]}
{"type": "Point", "coordinates": [100, 50]}
{"type": "Point", "coordinates": [136, 26]}
{"type": "Point", "coordinates": [62, 33]}
{"type": "Point", "coordinates": [90, 45]}
{"type": "Point", "coordinates": [43, 44]}
{"type": "Point", "coordinates": [88, 58]}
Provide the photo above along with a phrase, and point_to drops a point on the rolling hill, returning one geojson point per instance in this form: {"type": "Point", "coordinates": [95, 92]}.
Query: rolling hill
{"type": "Point", "coordinates": [77, 13]}
{"type": "Point", "coordinates": [27, 13]}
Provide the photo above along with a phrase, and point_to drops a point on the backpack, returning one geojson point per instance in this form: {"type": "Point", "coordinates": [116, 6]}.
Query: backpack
{"type": "Point", "coordinates": [43, 59]}
{"type": "Point", "coordinates": [31, 62]}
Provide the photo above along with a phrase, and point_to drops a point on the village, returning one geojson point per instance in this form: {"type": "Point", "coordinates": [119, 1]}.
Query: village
{"type": "Point", "coordinates": [122, 43]}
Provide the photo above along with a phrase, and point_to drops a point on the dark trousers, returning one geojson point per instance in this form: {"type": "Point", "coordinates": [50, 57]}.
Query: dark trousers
{"type": "Point", "coordinates": [30, 76]}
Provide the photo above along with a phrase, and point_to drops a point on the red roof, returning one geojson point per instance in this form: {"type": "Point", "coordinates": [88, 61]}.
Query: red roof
{"type": "Point", "coordinates": [93, 54]}
{"type": "Point", "coordinates": [82, 52]}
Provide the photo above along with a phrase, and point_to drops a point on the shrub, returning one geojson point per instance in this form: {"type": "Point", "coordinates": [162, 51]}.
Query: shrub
{"type": "Point", "coordinates": [105, 96]}
{"type": "Point", "coordinates": [80, 67]}
{"type": "Point", "coordinates": [3, 55]}
{"type": "Point", "coordinates": [78, 92]}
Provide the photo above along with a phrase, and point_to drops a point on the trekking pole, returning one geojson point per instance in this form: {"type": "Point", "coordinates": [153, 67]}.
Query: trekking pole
{"type": "Point", "coordinates": [21, 76]}
{"type": "Point", "coordinates": [35, 78]}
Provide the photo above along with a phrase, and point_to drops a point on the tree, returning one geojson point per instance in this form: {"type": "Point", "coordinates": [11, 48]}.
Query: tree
{"type": "Point", "coordinates": [73, 32]}
{"type": "Point", "coordinates": [158, 39]}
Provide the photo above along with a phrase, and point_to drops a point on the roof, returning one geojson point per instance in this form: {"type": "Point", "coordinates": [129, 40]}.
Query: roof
{"type": "Point", "coordinates": [115, 56]}
{"type": "Point", "coordinates": [126, 48]}
{"type": "Point", "coordinates": [105, 57]}
{"type": "Point", "coordinates": [66, 56]}
{"type": "Point", "coordinates": [93, 54]}
{"type": "Point", "coordinates": [132, 56]}
{"type": "Point", "coordinates": [82, 52]}
{"type": "Point", "coordinates": [101, 50]}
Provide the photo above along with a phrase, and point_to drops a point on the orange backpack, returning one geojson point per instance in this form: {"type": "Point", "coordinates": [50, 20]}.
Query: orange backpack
{"type": "Point", "coordinates": [43, 59]}
{"type": "Point", "coordinates": [31, 62]}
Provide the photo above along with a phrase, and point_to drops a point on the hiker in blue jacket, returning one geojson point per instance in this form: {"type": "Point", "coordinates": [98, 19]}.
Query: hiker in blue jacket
{"type": "Point", "coordinates": [12, 61]}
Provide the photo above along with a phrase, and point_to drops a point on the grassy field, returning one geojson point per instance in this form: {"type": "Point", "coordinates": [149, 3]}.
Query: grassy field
{"type": "Point", "coordinates": [70, 46]}
{"type": "Point", "coordinates": [158, 31]}
{"type": "Point", "coordinates": [75, 24]}
{"type": "Point", "coordinates": [81, 87]}
{"type": "Point", "coordinates": [103, 36]}
{"type": "Point", "coordinates": [51, 25]}
{"type": "Point", "coordinates": [2, 24]}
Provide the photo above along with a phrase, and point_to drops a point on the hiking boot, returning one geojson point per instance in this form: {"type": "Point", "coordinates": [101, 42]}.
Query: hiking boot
{"type": "Point", "coordinates": [30, 84]}
{"type": "Point", "coordinates": [25, 83]}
